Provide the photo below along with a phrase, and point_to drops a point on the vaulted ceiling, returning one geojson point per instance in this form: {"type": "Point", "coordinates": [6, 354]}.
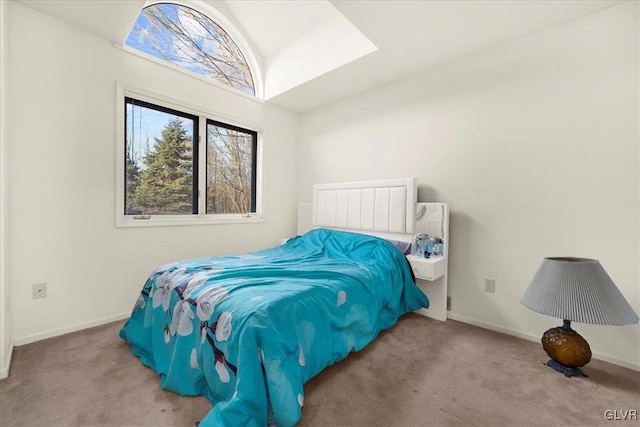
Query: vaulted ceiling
{"type": "Point", "coordinates": [305, 45]}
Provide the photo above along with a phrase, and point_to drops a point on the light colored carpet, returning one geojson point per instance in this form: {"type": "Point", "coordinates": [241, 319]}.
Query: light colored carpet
{"type": "Point", "coordinates": [421, 372]}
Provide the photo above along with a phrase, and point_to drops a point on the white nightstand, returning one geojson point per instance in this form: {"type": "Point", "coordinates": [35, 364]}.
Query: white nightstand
{"type": "Point", "coordinates": [431, 278]}
{"type": "Point", "coordinates": [431, 273]}
{"type": "Point", "coordinates": [428, 268]}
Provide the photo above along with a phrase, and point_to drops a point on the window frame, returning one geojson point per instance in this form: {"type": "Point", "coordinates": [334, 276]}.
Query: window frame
{"type": "Point", "coordinates": [254, 150]}
{"type": "Point", "coordinates": [204, 117]}
{"type": "Point", "coordinates": [194, 155]}
{"type": "Point", "coordinates": [225, 23]}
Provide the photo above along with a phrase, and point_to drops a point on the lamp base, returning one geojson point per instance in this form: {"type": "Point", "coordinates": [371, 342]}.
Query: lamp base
{"type": "Point", "coordinates": [566, 370]}
{"type": "Point", "coordinates": [567, 349]}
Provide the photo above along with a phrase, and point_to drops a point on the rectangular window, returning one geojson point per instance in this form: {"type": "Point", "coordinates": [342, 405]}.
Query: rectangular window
{"type": "Point", "coordinates": [231, 172]}
{"type": "Point", "coordinates": [170, 177]}
{"type": "Point", "coordinates": [161, 164]}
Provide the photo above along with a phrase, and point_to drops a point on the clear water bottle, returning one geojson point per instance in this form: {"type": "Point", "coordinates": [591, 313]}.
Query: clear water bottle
{"type": "Point", "coordinates": [419, 247]}
{"type": "Point", "coordinates": [430, 247]}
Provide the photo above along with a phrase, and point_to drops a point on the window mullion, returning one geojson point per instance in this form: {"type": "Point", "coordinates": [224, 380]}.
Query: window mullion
{"type": "Point", "coordinates": [202, 166]}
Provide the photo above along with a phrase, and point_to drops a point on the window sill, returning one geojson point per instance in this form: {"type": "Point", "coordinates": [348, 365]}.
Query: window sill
{"type": "Point", "coordinates": [126, 222]}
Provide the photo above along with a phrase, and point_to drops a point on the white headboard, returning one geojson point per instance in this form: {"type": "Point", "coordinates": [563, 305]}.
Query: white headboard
{"type": "Point", "coordinates": [386, 206]}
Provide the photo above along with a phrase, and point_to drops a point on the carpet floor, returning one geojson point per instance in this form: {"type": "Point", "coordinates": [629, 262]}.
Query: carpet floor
{"type": "Point", "coordinates": [419, 373]}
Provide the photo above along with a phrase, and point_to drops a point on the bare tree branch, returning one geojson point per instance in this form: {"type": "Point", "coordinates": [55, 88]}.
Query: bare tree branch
{"type": "Point", "coordinates": [212, 51]}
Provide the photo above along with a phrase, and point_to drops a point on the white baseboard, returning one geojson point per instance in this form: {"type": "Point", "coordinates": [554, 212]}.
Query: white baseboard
{"type": "Point", "coordinates": [535, 338]}
{"type": "Point", "coordinates": [61, 331]}
{"type": "Point", "coordinates": [4, 370]}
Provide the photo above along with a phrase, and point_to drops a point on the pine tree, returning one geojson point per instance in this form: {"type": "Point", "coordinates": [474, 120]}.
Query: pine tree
{"type": "Point", "coordinates": [133, 178]}
{"type": "Point", "coordinates": [167, 181]}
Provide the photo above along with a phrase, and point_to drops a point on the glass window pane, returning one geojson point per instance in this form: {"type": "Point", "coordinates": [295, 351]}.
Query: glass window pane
{"type": "Point", "coordinates": [187, 38]}
{"type": "Point", "coordinates": [230, 169]}
{"type": "Point", "coordinates": [159, 161]}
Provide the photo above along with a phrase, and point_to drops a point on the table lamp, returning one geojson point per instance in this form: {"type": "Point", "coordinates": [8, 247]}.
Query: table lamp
{"type": "Point", "coordinates": [574, 289]}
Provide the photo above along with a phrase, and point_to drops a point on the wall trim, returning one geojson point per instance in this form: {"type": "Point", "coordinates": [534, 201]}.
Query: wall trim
{"type": "Point", "coordinates": [4, 370]}
{"type": "Point", "coordinates": [536, 338]}
{"type": "Point", "coordinates": [62, 331]}
{"type": "Point", "coordinates": [5, 288]}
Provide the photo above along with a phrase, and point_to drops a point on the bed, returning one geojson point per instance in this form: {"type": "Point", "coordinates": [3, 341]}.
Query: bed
{"type": "Point", "coordinates": [248, 331]}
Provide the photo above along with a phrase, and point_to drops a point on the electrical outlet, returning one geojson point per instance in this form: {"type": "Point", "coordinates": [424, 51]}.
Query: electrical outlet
{"type": "Point", "coordinates": [490, 285]}
{"type": "Point", "coordinates": [39, 290]}
{"type": "Point", "coordinates": [449, 303]}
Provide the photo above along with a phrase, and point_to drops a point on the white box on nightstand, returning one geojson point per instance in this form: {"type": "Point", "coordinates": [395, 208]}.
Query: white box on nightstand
{"type": "Point", "coordinates": [427, 268]}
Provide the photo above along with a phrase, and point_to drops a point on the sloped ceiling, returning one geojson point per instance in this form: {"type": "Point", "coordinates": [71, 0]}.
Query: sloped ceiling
{"type": "Point", "coordinates": [404, 37]}
{"type": "Point", "coordinates": [272, 25]}
{"type": "Point", "coordinates": [299, 40]}
{"type": "Point", "coordinates": [415, 35]}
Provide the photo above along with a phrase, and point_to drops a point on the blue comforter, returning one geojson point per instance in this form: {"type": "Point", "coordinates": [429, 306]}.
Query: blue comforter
{"type": "Point", "coordinates": [248, 331]}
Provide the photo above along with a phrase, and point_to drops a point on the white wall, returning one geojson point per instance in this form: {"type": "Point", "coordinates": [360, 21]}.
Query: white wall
{"type": "Point", "coordinates": [534, 144]}
{"type": "Point", "coordinates": [62, 99]}
{"type": "Point", "coordinates": [5, 290]}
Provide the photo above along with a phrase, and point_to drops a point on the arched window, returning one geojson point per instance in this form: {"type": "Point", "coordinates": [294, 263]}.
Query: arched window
{"type": "Point", "coordinates": [189, 39]}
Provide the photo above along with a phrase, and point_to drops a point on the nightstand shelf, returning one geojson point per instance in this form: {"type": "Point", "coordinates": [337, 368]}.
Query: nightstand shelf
{"type": "Point", "coordinates": [428, 268]}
